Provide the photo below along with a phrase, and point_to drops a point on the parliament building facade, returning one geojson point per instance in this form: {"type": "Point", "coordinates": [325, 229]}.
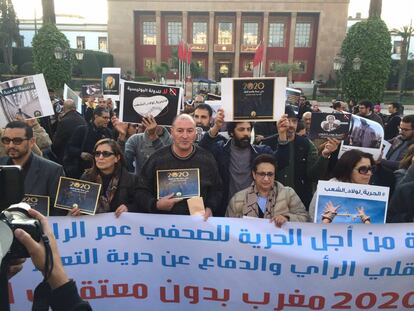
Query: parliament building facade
{"type": "Point", "coordinates": [223, 35]}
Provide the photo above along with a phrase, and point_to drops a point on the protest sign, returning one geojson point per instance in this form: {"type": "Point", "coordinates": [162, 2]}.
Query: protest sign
{"type": "Point", "coordinates": [163, 262]}
{"type": "Point", "coordinates": [80, 193]}
{"type": "Point", "coordinates": [91, 90]}
{"type": "Point", "coordinates": [215, 106]}
{"type": "Point", "coordinates": [139, 100]}
{"type": "Point", "coordinates": [71, 94]}
{"type": "Point", "coordinates": [365, 135]}
{"type": "Point", "coordinates": [329, 125]}
{"type": "Point", "coordinates": [110, 82]}
{"type": "Point", "coordinates": [352, 201]}
{"type": "Point", "coordinates": [182, 183]}
{"type": "Point", "coordinates": [253, 99]}
{"type": "Point", "coordinates": [27, 97]}
{"type": "Point", "coordinates": [40, 203]}
{"type": "Point", "coordinates": [292, 96]}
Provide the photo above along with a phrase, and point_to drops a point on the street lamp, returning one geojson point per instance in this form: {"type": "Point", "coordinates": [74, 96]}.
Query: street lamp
{"type": "Point", "coordinates": [60, 53]}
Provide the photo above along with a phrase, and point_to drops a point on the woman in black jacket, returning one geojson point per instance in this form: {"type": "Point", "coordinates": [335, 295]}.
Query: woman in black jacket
{"type": "Point", "coordinates": [118, 185]}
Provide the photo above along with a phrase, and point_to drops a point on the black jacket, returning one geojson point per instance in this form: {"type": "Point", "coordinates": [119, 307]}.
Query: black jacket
{"type": "Point", "coordinates": [391, 129]}
{"type": "Point", "coordinates": [70, 121]}
{"type": "Point", "coordinates": [401, 207]}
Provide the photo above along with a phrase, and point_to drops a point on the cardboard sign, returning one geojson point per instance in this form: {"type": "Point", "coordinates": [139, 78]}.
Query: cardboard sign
{"type": "Point", "coordinates": [182, 183]}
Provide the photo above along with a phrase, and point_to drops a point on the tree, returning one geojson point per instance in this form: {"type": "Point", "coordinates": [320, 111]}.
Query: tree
{"type": "Point", "coordinates": [375, 8]}
{"type": "Point", "coordinates": [405, 33]}
{"type": "Point", "coordinates": [56, 71]}
{"type": "Point", "coordinates": [369, 41]}
{"type": "Point", "coordinates": [9, 31]}
{"type": "Point", "coordinates": [49, 16]}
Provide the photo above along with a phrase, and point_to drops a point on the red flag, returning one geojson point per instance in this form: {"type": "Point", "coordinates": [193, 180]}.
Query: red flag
{"type": "Point", "coordinates": [181, 50]}
{"type": "Point", "coordinates": [258, 56]}
{"type": "Point", "coordinates": [189, 54]}
{"type": "Point", "coordinates": [185, 52]}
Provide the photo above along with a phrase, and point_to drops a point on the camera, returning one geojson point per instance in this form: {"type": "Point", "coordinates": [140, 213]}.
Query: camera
{"type": "Point", "coordinates": [15, 214]}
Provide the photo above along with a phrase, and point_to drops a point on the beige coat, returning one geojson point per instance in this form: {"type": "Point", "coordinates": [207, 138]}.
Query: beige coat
{"type": "Point", "coordinates": [287, 203]}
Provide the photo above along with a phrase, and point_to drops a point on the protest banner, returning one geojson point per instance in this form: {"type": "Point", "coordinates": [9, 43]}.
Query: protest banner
{"type": "Point", "coordinates": [253, 99]}
{"type": "Point", "coordinates": [40, 203]}
{"type": "Point", "coordinates": [139, 100]}
{"type": "Point", "coordinates": [163, 262]}
{"type": "Point", "coordinates": [365, 135]}
{"type": "Point", "coordinates": [77, 193]}
{"type": "Point", "coordinates": [110, 82]}
{"type": "Point", "coordinates": [71, 94]}
{"type": "Point", "coordinates": [27, 96]}
{"type": "Point", "coordinates": [329, 125]}
{"type": "Point", "coordinates": [351, 201]}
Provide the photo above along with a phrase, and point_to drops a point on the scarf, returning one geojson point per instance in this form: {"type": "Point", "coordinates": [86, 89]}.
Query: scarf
{"type": "Point", "coordinates": [106, 198]}
{"type": "Point", "coordinates": [251, 208]}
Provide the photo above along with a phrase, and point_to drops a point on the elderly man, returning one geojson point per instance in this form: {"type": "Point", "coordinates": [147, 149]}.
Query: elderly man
{"type": "Point", "coordinates": [183, 154]}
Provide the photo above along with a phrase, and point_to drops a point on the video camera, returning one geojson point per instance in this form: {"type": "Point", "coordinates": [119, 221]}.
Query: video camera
{"type": "Point", "coordinates": [14, 215]}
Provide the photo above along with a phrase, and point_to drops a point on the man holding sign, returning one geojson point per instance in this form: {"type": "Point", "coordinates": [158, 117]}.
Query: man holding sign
{"type": "Point", "coordinates": [180, 170]}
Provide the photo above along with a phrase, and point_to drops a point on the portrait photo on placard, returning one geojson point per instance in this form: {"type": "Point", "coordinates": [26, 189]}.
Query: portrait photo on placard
{"type": "Point", "coordinates": [329, 125]}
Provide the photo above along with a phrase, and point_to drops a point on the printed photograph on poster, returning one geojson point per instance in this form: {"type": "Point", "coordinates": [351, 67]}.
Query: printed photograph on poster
{"type": "Point", "coordinates": [292, 96]}
{"type": "Point", "coordinates": [91, 90]}
{"type": "Point", "coordinates": [40, 203]}
{"type": "Point", "coordinates": [80, 193]}
{"type": "Point", "coordinates": [27, 97]}
{"type": "Point", "coordinates": [182, 183]}
{"type": "Point", "coordinates": [365, 135]}
{"type": "Point", "coordinates": [215, 106]}
{"type": "Point", "coordinates": [110, 82]}
{"type": "Point", "coordinates": [352, 203]}
{"type": "Point", "coordinates": [329, 125]}
{"type": "Point", "coordinates": [253, 99]}
{"type": "Point", "coordinates": [139, 100]}
{"type": "Point", "coordinates": [68, 93]}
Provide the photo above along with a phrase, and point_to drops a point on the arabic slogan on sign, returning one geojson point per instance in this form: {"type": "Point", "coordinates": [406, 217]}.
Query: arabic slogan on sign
{"type": "Point", "coordinates": [162, 262]}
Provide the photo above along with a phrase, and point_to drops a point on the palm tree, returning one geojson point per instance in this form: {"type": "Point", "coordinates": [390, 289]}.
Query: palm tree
{"type": "Point", "coordinates": [405, 33]}
{"type": "Point", "coordinates": [48, 12]}
{"type": "Point", "coordinates": [375, 7]}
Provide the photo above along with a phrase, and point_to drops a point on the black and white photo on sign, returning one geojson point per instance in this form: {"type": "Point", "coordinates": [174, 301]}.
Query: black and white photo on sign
{"type": "Point", "coordinates": [329, 125]}
{"type": "Point", "coordinates": [68, 93]}
{"type": "Point", "coordinates": [139, 100]}
{"type": "Point", "coordinates": [366, 135]}
{"type": "Point", "coordinates": [91, 90]}
{"type": "Point", "coordinates": [27, 96]}
{"type": "Point", "coordinates": [292, 96]}
{"type": "Point", "coordinates": [253, 99]}
{"type": "Point", "coordinates": [111, 82]}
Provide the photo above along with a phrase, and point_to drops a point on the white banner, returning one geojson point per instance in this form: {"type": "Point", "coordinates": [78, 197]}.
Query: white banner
{"type": "Point", "coordinates": [160, 262]}
{"type": "Point", "coordinates": [69, 93]}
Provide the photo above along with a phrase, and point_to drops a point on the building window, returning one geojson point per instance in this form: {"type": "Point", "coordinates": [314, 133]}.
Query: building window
{"type": "Point", "coordinates": [250, 33]}
{"type": "Point", "coordinates": [276, 35]}
{"type": "Point", "coordinates": [302, 35]}
{"type": "Point", "coordinates": [225, 33]}
{"type": "Point", "coordinates": [174, 33]}
{"type": "Point", "coordinates": [248, 66]}
{"type": "Point", "coordinates": [199, 33]}
{"type": "Point", "coordinates": [148, 64]}
{"type": "Point", "coordinates": [149, 34]}
{"type": "Point", "coordinates": [103, 44]}
{"type": "Point", "coordinates": [80, 43]}
{"type": "Point", "coordinates": [397, 47]}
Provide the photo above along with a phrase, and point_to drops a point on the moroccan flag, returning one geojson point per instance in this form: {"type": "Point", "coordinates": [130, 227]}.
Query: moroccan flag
{"type": "Point", "coordinates": [258, 56]}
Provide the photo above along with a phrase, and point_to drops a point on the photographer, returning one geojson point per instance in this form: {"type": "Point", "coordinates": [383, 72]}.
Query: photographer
{"type": "Point", "coordinates": [57, 291]}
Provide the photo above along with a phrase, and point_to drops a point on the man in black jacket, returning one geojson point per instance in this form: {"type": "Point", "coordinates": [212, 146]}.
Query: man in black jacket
{"type": "Point", "coordinates": [78, 153]}
{"type": "Point", "coordinates": [70, 120]}
{"type": "Point", "coordinates": [392, 127]}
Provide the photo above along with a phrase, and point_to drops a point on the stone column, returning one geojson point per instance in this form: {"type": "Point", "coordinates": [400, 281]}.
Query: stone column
{"type": "Point", "coordinates": [159, 43]}
{"type": "Point", "coordinates": [211, 73]}
{"type": "Point", "coordinates": [185, 25]}
{"type": "Point", "coordinates": [292, 40]}
{"type": "Point", "coordinates": [236, 70]}
{"type": "Point", "coordinates": [265, 40]}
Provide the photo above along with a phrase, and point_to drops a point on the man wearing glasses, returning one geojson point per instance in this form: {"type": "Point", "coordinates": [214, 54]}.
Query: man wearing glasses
{"type": "Point", "coordinates": [41, 176]}
{"type": "Point", "coordinates": [267, 198]}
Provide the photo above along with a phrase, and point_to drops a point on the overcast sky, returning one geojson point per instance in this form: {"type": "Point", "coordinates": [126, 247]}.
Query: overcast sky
{"type": "Point", "coordinates": [395, 13]}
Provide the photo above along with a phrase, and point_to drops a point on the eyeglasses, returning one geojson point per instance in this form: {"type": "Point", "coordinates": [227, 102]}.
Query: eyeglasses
{"type": "Point", "coordinates": [105, 154]}
{"type": "Point", "coordinates": [16, 140]}
{"type": "Point", "coordinates": [365, 169]}
{"type": "Point", "coordinates": [264, 174]}
{"type": "Point", "coordinates": [405, 130]}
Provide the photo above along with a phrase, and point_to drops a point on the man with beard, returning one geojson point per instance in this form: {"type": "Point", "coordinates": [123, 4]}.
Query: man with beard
{"type": "Point", "coordinates": [235, 156]}
{"type": "Point", "coordinates": [304, 164]}
{"type": "Point", "coordinates": [41, 176]}
{"type": "Point", "coordinates": [202, 116]}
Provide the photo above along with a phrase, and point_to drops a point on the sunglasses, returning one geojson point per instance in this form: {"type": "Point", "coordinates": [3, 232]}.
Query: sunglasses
{"type": "Point", "coordinates": [16, 140]}
{"type": "Point", "coordinates": [365, 169]}
{"type": "Point", "coordinates": [263, 174]}
{"type": "Point", "coordinates": [105, 154]}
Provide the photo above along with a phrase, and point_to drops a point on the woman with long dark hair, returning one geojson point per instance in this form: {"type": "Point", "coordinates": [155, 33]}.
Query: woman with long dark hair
{"type": "Point", "coordinates": [118, 185]}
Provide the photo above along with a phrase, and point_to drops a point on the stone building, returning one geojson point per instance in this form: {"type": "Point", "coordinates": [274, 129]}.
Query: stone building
{"type": "Point", "coordinates": [223, 34]}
